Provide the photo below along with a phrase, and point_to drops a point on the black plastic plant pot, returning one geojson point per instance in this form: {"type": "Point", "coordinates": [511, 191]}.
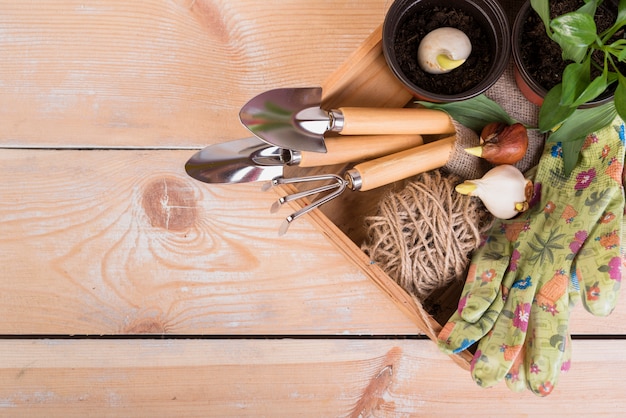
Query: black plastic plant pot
{"type": "Point", "coordinates": [532, 89]}
{"type": "Point", "coordinates": [483, 21]}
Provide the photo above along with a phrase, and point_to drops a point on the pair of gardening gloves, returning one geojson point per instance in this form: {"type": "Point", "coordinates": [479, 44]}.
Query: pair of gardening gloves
{"type": "Point", "coordinates": [531, 270]}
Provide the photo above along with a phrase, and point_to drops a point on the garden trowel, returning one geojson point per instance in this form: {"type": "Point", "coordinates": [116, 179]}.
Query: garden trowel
{"type": "Point", "coordinates": [250, 159]}
{"type": "Point", "coordinates": [292, 118]}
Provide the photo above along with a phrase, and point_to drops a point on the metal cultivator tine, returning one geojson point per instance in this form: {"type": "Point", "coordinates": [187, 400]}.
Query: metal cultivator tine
{"type": "Point", "coordinates": [337, 186]}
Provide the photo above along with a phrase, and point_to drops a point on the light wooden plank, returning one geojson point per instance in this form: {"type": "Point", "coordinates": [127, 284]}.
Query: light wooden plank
{"type": "Point", "coordinates": [316, 378]}
{"type": "Point", "coordinates": [583, 322]}
{"type": "Point", "coordinates": [161, 73]}
{"type": "Point", "coordinates": [124, 242]}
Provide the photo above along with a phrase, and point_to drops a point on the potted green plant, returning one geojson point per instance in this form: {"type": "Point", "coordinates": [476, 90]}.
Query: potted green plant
{"type": "Point", "coordinates": [590, 66]}
{"type": "Point", "coordinates": [409, 22]}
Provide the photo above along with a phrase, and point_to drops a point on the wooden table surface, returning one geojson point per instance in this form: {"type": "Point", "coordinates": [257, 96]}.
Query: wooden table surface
{"type": "Point", "coordinates": [129, 289]}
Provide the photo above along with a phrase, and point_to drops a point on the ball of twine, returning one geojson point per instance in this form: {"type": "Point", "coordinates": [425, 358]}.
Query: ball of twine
{"type": "Point", "coordinates": [423, 235]}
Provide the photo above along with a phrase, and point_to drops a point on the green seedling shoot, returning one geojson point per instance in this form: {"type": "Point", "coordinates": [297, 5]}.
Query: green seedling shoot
{"type": "Point", "coordinates": [581, 43]}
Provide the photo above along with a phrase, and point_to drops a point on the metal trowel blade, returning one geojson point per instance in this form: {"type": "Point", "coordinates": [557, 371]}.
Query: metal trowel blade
{"type": "Point", "coordinates": [239, 161]}
{"type": "Point", "coordinates": [270, 116]}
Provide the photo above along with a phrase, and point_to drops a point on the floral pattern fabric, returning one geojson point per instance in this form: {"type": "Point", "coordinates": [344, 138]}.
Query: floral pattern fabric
{"type": "Point", "coordinates": [531, 270]}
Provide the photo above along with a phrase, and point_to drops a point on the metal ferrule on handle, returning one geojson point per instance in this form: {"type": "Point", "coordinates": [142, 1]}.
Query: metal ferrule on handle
{"type": "Point", "coordinates": [353, 179]}
{"type": "Point", "coordinates": [401, 165]}
{"type": "Point", "coordinates": [336, 120]}
{"type": "Point", "coordinates": [291, 156]}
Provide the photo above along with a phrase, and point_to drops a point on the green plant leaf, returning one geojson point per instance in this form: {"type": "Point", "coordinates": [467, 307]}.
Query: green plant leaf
{"type": "Point", "coordinates": [593, 90]}
{"type": "Point", "coordinates": [552, 113]}
{"type": "Point", "coordinates": [576, 77]}
{"type": "Point", "coordinates": [583, 122]}
{"type": "Point", "coordinates": [617, 44]}
{"type": "Point", "coordinates": [574, 53]}
{"type": "Point", "coordinates": [571, 152]}
{"type": "Point", "coordinates": [575, 28]}
{"type": "Point", "coordinates": [542, 8]}
{"type": "Point", "coordinates": [621, 12]}
{"type": "Point", "coordinates": [589, 8]}
{"type": "Point", "coordinates": [620, 21]}
{"type": "Point", "coordinates": [473, 113]}
{"type": "Point", "coordinates": [622, 55]}
{"type": "Point", "coordinates": [574, 32]}
{"type": "Point", "coordinates": [616, 48]}
{"type": "Point", "coordinates": [620, 97]}
{"type": "Point", "coordinates": [573, 131]}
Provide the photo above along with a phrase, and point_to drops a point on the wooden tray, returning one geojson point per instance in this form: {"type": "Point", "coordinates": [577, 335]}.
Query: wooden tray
{"type": "Point", "coordinates": [366, 80]}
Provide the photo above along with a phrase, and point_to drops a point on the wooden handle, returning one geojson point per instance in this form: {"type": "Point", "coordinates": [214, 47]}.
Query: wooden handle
{"type": "Point", "coordinates": [401, 165]}
{"type": "Point", "coordinates": [358, 147]}
{"type": "Point", "coordinates": [382, 121]}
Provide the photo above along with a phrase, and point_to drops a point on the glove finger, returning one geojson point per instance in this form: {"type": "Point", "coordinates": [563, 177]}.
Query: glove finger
{"type": "Point", "coordinates": [499, 349]}
{"type": "Point", "coordinates": [599, 260]}
{"type": "Point", "coordinates": [548, 341]}
{"type": "Point", "coordinates": [543, 373]}
{"type": "Point", "coordinates": [494, 358]}
{"type": "Point", "coordinates": [483, 289]}
{"type": "Point", "coordinates": [458, 335]}
{"type": "Point", "coordinates": [517, 380]}
{"type": "Point", "coordinates": [486, 271]}
{"type": "Point", "coordinates": [516, 377]}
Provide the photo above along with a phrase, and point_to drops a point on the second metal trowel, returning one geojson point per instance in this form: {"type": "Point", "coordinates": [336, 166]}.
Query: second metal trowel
{"type": "Point", "coordinates": [292, 118]}
{"type": "Point", "coordinates": [250, 159]}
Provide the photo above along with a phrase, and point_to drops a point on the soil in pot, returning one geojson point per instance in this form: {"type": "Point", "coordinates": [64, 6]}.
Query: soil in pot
{"type": "Point", "coordinates": [541, 55]}
{"type": "Point", "coordinates": [413, 29]}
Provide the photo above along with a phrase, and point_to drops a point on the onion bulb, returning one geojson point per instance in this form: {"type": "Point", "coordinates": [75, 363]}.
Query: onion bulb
{"type": "Point", "coordinates": [504, 191]}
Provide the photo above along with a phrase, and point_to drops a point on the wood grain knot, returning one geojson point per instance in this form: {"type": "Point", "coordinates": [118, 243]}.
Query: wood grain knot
{"type": "Point", "coordinates": [210, 16]}
{"type": "Point", "coordinates": [376, 392]}
{"type": "Point", "coordinates": [146, 326]}
{"type": "Point", "coordinates": [170, 204]}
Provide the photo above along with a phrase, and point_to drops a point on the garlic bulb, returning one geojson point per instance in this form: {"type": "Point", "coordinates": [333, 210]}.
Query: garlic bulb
{"type": "Point", "coordinates": [504, 191]}
{"type": "Point", "coordinates": [443, 50]}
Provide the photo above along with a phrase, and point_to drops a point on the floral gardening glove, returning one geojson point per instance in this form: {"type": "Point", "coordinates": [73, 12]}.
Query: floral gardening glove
{"type": "Point", "coordinates": [531, 270]}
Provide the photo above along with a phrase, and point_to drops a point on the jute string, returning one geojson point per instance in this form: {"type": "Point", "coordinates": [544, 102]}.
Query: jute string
{"type": "Point", "coordinates": [422, 236]}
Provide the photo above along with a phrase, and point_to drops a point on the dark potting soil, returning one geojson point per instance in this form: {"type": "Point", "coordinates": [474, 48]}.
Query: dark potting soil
{"type": "Point", "coordinates": [413, 29]}
{"type": "Point", "coordinates": [540, 54]}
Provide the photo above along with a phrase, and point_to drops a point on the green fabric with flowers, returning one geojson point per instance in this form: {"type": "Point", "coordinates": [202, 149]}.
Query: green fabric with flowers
{"type": "Point", "coordinates": [531, 270]}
